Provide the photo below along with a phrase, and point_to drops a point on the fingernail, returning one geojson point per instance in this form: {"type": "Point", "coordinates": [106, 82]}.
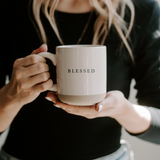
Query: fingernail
{"type": "Point", "coordinates": [44, 45]}
{"type": "Point", "coordinates": [100, 108]}
{"type": "Point", "coordinates": [49, 99]}
{"type": "Point", "coordinates": [57, 106]}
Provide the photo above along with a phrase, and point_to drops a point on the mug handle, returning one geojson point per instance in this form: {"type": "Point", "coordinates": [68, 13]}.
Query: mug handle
{"type": "Point", "coordinates": [52, 57]}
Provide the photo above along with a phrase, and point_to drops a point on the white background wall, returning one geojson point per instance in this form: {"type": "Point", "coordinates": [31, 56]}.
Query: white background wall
{"type": "Point", "coordinates": [142, 150]}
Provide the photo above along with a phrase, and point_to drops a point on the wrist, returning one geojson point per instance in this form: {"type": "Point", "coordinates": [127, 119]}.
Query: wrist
{"type": "Point", "coordinates": [8, 109]}
{"type": "Point", "coordinates": [134, 118]}
{"type": "Point", "coordinates": [7, 100]}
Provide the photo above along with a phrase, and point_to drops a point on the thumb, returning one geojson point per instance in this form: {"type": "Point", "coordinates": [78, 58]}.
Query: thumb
{"type": "Point", "coordinates": [98, 107]}
{"type": "Point", "coordinates": [52, 96]}
{"type": "Point", "coordinates": [42, 48]}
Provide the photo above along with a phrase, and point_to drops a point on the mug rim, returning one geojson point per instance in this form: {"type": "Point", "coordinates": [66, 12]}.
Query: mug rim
{"type": "Point", "coordinates": [81, 46]}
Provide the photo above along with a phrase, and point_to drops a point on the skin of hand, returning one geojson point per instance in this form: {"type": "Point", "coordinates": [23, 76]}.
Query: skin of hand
{"type": "Point", "coordinates": [134, 118]}
{"type": "Point", "coordinates": [30, 77]}
{"type": "Point", "coordinates": [111, 106]}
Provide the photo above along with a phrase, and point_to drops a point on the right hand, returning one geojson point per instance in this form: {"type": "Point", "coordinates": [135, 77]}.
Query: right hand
{"type": "Point", "coordinates": [30, 77]}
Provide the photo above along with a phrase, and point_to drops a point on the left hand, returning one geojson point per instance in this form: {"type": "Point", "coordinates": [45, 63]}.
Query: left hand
{"type": "Point", "coordinates": [112, 106]}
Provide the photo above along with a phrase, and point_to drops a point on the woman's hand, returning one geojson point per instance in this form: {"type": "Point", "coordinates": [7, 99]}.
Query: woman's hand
{"type": "Point", "coordinates": [30, 76]}
{"type": "Point", "coordinates": [112, 106]}
{"type": "Point", "coordinates": [134, 118]}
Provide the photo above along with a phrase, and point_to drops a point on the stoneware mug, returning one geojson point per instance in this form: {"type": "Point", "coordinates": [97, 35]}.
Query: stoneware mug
{"type": "Point", "coordinates": [81, 73]}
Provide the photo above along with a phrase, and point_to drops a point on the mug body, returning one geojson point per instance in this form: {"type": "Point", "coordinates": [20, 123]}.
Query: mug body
{"type": "Point", "coordinates": [81, 74]}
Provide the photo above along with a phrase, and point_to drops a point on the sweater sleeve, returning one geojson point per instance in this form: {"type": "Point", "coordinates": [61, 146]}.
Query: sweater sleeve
{"type": "Point", "coordinates": [153, 133]}
{"type": "Point", "coordinates": [147, 69]}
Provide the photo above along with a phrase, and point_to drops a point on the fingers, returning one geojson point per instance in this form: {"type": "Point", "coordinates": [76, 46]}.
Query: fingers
{"type": "Point", "coordinates": [106, 103]}
{"type": "Point", "coordinates": [42, 48]}
{"type": "Point", "coordinates": [86, 111]}
{"type": "Point", "coordinates": [43, 86]}
{"type": "Point", "coordinates": [30, 76]}
{"type": "Point", "coordinates": [112, 99]}
{"type": "Point", "coordinates": [100, 106]}
{"type": "Point", "coordinates": [111, 106]}
{"type": "Point", "coordinates": [21, 73]}
{"type": "Point", "coordinates": [98, 110]}
{"type": "Point", "coordinates": [33, 58]}
{"type": "Point", "coordinates": [34, 80]}
{"type": "Point", "coordinates": [52, 96]}
{"type": "Point", "coordinates": [30, 60]}
{"type": "Point", "coordinates": [35, 69]}
{"type": "Point", "coordinates": [32, 64]}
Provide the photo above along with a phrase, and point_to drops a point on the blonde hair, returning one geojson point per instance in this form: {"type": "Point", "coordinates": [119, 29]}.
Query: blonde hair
{"type": "Point", "coordinates": [110, 12]}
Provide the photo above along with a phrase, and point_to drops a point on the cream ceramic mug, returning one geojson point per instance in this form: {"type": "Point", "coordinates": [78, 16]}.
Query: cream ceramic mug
{"type": "Point", "coordinates": [81, 73]}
